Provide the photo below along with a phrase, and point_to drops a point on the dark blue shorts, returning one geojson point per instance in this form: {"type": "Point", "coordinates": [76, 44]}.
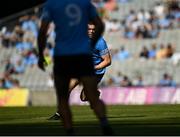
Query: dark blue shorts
{"type": "Point", "coordinates": [99, 77]}
{"type": "Point", "coordinates": [73, 66]}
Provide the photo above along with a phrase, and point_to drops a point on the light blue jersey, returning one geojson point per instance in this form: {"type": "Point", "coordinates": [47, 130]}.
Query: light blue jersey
{"type": "Point", "coordinates": [71, 18]}
{"type": "Point", "coordinates": [99, 50]}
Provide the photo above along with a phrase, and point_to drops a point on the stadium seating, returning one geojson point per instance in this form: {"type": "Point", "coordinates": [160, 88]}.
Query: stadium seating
{"type": "Point", "coordinates": [134, 46]}
{"type": "Point", "coordinates": [151, 70]}
{"type": "Point", "coordinates": [124, 8]}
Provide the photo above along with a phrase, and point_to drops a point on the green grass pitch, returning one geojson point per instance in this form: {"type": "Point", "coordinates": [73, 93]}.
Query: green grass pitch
{"type": "Point", "coordinates": [125, 120]}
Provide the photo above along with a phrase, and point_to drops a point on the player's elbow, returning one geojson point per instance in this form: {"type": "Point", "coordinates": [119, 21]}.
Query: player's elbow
{"type": "Point", "coordinates": [108, 62]}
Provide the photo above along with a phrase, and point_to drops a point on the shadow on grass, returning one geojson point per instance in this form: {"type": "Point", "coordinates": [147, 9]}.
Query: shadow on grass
{"type": "Point", "coordinates": [114, 117]}
{"type": "Point", "coordinates": [55, 128]}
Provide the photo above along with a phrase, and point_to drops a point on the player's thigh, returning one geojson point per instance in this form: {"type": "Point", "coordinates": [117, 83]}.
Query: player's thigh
{"type": "Point", "coordinates": [73, 83]}
{"type": "Point", "coordinates": [90, 86]}
{"type": "Point", "coordinates": [99, 77]}
{"type": "Point", "coordinates": [61, 85]}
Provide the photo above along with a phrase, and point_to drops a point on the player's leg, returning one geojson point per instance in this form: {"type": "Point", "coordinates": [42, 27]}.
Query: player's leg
{"type": "Point", "coordinates": [98, 78]}
{"type": "Point", "coordinates": [62, 91]}
{"type": "Point", "coordinates": [90, 89]}
{"type": "Point", "coordinates": [73, 83]}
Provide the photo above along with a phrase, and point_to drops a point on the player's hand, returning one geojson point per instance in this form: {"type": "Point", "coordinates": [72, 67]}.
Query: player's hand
{"type": "Point", "coordinates": [42, 63]}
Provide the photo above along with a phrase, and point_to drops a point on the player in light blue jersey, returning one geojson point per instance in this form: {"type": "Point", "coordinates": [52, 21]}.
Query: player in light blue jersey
{"type": "Point", "coordinates": [73, 54]}
{"type": "Point", "coordinates": [101, 59]}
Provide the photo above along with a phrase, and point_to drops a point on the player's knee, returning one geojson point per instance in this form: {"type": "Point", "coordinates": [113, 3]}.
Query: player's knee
{"type": "Point", "coordinates": [95, 104]}
{"type": "Point", "coordinates": [63, 95]}
{"type": "Point", "coordinates": [93, 101]}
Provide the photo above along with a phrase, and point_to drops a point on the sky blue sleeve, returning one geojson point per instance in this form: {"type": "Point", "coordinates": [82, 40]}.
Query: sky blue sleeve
{"type": "Point", "coordinates": [102, 47]}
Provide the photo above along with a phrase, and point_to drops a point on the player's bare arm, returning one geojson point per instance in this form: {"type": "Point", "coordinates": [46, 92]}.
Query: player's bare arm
{"type": "Point", "coordinates": [105, 63]}
{"type": "Point", "coordinates": [42, 37]}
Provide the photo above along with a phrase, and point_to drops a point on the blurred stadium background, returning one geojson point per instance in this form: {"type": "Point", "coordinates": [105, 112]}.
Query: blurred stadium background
{"type": "Point", "coordinates": [143, 37]}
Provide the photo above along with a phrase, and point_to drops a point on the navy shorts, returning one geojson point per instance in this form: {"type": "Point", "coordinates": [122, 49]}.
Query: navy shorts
{"type": "Point", "coordinates": [73, 66]}
{"type": "Point", "coordinates": [99, 77]}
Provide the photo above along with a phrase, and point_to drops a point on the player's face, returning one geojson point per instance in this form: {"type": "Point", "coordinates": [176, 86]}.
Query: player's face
{"type": "Point", "coordinates": [91, 30]}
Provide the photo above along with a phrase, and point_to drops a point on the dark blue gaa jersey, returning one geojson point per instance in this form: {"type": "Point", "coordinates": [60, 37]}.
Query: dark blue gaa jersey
{"type": "Point", "coordinates": [70, 18]}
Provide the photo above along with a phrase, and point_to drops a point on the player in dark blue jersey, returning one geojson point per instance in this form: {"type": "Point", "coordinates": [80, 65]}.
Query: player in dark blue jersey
{"type": "Point", "coordinates": [101, 59]}
{"type": "Point", "coordinates": [71, 18]}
